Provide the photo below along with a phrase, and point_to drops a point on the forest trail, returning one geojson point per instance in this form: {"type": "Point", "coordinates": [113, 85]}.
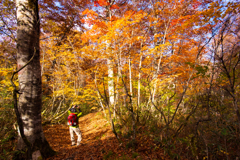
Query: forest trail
{"type": "Point", "coordinates": [98, 142]}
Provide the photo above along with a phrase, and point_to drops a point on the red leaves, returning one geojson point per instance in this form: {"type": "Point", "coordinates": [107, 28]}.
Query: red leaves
{"type": "Point", "coordinates": [196, 4]}
{"type": "Point", "coordinates": [104, 3]}
{"type": "Point", "coordinates": [114, 7]}
{"type": "Point", "coordinates": [101, 3]}
{"type": "Point", "coordinates": [96, 3]}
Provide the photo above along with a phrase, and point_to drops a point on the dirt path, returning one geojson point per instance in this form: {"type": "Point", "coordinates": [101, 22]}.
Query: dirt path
{"type": "Point", "coordinates": [95, 132]}
{"type": "Point", "coordinates": [98, 142]}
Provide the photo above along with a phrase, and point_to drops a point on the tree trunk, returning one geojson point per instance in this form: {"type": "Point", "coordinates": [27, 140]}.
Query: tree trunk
{"type": "Point", "coordinates": [110, 82]}
{"type": "Point", "coordinates": [30, 83]}
{"type": "Point", "coordinates": [139, 82]}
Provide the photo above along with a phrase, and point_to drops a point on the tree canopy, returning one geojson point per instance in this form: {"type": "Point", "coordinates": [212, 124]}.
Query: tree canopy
{"type": "Point", "coordinates": [171, 65]}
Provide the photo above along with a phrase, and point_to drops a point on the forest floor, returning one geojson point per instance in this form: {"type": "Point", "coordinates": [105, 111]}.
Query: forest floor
{"type": "Point", "coordinates": [99, 142]}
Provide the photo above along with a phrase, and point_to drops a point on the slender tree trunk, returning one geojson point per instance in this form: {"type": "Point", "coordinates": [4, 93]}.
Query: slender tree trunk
{"type": "Point", "coordinates": [117, 84]}
{"type": "Point", "coordinates": [130, 96]}
{"type": "Point", "coordinates": [130, 74]}
{"type": "Point", "coordinates": [30, 83]}
{"type": "Point", "coordinates": [159, 54]}
{"type": "Point", "coordinates": [110, 82]}
{"type": "Point", "coordinates": [110, 68]}
{"type": "Point", "coordinates": [159, 61]}
{"type": "Point", "coordinates": [99, 97]}
{"type": "Point", "coordinates": [139, 83]}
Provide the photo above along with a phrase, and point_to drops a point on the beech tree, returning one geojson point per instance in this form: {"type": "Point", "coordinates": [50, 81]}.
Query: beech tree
{"type": "Point", "coordinates": [30, 89]}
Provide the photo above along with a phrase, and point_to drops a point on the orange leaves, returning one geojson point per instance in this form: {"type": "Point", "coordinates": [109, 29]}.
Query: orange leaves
{"type": "Point", "coordinates": [181, 20]}
{"type": "Point", "coordinates": [90, 13]}
{"type": "Point", "coordinates": [85, 11]}
{"type": "Point", "coordinates": [129, 13]}
{"type": "Point", "coordinates": [91, 16]}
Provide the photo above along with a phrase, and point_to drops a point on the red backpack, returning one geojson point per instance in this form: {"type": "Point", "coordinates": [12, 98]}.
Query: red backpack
{"type": "Point", "coordinates": [72, 119]}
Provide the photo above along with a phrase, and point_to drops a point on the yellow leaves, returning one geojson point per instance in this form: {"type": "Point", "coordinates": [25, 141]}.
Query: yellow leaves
{"type": "Point", "coordinates": [7, 74]}
{"type": "Point", "coordinates": [6, 87]}
{"type": "Point", "coordinates": [5, 71]}
{"type": "Point", "coordinates": [65, 90]}
{"type": "Point", "coordinates": [6, 83]}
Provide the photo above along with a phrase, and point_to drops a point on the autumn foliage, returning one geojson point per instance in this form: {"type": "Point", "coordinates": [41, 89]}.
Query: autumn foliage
{"type": "Point", "coordinates": [171, 67]}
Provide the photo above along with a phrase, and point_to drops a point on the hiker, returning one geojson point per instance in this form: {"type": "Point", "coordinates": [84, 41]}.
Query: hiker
{"type": "Point", "coordinates": [74, 114]}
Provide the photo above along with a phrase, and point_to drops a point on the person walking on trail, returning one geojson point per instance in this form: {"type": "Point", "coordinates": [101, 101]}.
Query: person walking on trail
{"type": "Point", "coordinates": [73, 114]}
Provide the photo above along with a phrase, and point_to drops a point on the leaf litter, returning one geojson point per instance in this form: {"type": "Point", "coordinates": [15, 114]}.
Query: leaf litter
{"type": "Point", "coordinates": [98, 142]}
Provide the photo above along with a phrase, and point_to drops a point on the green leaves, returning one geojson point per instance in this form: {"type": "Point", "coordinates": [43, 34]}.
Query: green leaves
{"type": "Point", "coordinates": [201, 70]}
{"type": "Point", "coordinates": [224, 132]}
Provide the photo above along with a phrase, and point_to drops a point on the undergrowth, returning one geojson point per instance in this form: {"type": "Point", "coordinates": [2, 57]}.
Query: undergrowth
{"type": "Point", "coordinates": [7, 132]}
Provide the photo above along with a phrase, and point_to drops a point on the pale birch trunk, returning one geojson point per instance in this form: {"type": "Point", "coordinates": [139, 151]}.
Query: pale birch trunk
{"type": "Point", "coordinates": [118, 76]}
{"type": "Point", "coordinates": [130, 69]}
{"type": "Point", "coordinates": [139, 82]}
{"type": "Point", "coordinates": [110, 82]}
{"type": "Point", "coordinates": [110, 75]}
{"type": "Point", "coordinates": [130, 74]}
{"type": "Point", "coordinates": [110, 68]}
{"type": "Point", "coordinates": [30, 98]}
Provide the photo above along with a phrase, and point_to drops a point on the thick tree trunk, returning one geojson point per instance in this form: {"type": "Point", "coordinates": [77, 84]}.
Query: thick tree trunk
{"type": "Point", "coordinates": [30, 83]}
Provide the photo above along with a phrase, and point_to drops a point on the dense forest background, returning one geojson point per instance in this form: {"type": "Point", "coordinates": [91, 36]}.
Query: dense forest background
{"type": "Point", "coordinates": [171, 66]}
